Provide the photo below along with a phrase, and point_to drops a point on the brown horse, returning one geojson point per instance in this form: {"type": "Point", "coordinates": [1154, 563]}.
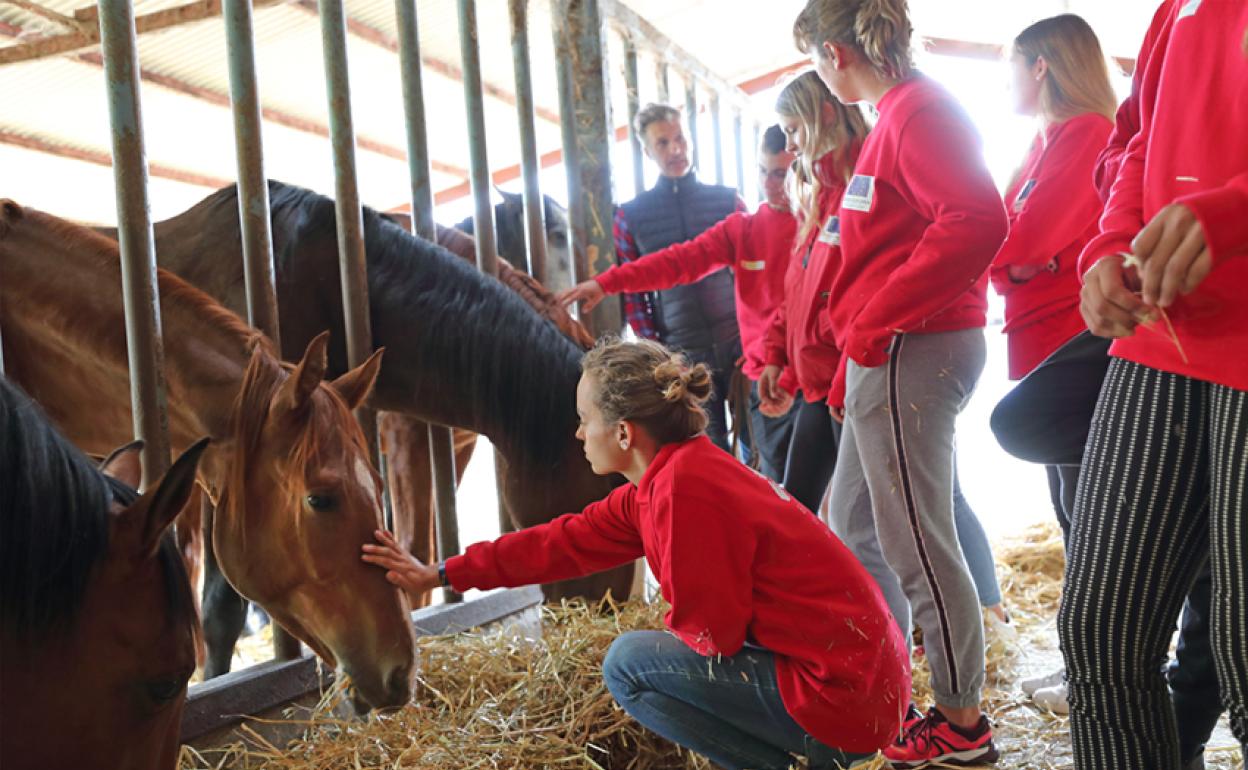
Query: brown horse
{"type": "Point", "coordinates": [296, 495]}
{"type": "Point", "coordinates": [461, 349]}
{"type": "Point", "coordinates": [405, 439]}
{"type": "Point", "coordinates": [97, 625]}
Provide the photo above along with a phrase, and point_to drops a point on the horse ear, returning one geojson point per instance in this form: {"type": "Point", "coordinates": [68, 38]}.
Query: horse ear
{"type": "Point", "coordinates": [298, 388]}
{"type": "Point", "coordinates": [355, 385]}
{"type": "Point", "coordinates": [125, 464]}
{"type": "Point", "coordinates": [161, 504]}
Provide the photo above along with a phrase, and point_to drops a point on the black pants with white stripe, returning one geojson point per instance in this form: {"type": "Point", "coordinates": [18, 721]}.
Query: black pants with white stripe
{"type": "Point", "coordinates": [1164, 484]}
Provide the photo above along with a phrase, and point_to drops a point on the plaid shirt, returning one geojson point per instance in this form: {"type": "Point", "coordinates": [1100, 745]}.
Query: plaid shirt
{"type": "Point", "coordinates": [638, 307]}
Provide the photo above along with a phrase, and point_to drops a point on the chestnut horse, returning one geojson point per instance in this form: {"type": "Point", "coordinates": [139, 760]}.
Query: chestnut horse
{"type": "Point", "coordinates": [461, 349]}
{"type": "Point", "coordinates": [97, 624]}
{"type": "Point", "coordinates": [290, 475]}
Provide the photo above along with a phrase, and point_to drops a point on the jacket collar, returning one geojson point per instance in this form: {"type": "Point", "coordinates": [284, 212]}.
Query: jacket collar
{"type": "Point", "coordinates": [667, 184]}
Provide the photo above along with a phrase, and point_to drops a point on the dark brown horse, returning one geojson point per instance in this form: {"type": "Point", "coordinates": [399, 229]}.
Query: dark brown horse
{"type": "Point", "coordinates": [97, 624]}
{"type": "Point", "coordinates": [290, 473]}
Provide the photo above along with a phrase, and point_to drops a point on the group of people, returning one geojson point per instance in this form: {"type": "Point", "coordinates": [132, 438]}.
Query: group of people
{"type": "Point", "coordinates": [855, 297]}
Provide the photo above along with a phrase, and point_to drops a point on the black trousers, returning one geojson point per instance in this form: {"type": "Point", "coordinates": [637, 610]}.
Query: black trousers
{"type": "Point", "coordinates": [812, 453]}
{"type": "Point", "coordinates": [1162, 492]}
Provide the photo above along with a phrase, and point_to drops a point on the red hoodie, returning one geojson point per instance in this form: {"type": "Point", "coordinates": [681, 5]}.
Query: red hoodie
{"type": "Point", "coordinates": [1192, 149]}
{"type": "Point", "coordinates": [920, 223]}
{"type": "Point", "coordinates": [796, 340]}
{"type": "Point", "coordinates": [739, 561]}
{"type": "Point", "coordinates": [756, 246]}
{"type": "Point", "coordinates": [1053, 208]}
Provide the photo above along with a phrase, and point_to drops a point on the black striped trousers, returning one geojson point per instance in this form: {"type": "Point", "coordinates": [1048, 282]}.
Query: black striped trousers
{"type": "Point", "coordinates": [1164, 482]}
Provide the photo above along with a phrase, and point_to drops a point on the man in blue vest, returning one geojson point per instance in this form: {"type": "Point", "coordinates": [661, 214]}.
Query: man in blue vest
{"type": "Point", "coordinates": [699, 318]}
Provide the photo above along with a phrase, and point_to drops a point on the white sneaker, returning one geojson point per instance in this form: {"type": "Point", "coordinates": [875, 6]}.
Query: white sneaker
{"type": "Point", "coordinates": [1053, 699]}
{"type": "Point", "coordinates": [1030, 685]}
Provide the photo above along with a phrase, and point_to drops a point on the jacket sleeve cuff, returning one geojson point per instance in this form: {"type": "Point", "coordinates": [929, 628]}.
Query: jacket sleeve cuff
{"type": "Point", "coordinates": [775, 357]}
{"type": "Point", "coordinates": [609, 280]}
{"type": "Point", "coordinates": [866, 351]}
{"type": "Point", "coordinates": [1221, 215]}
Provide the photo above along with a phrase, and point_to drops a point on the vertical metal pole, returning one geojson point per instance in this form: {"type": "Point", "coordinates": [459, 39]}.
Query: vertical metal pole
{"type": "Point", "coordinates": [742, 153]}
{"type": "Point", "coordinates": [663, 77]}
{"type": "Point", "coordinates": [352, 261]}
{"type": "Point", "coordinates": [758, 142]}
{"type": "Point", "coordinates": [479, 175]}
{"type": "Point", "coordinates": [253, 206]}
{"type": "Point", "coordinates": [479, 166]}
{"type": "Point", "coordinates": [586, 145]}
{"type": "Point", "coordinates": [534, 207]}
{"type": "Point", "coordinates": [717, 138]}
{"type": "Point", "coordinates": [634, 104]}
{"type": "Point", "coordinates": [441, 444]}
{"type": "Point", "coordinates": [135, 239]}
{"type": "Point", "coordinates": [253, 189]}
{"type": "Point", "coordinates": [691, 109]}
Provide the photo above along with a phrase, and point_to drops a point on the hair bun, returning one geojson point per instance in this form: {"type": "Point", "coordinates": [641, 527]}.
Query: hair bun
{"type": "Point", "coordinates": [678, 381]}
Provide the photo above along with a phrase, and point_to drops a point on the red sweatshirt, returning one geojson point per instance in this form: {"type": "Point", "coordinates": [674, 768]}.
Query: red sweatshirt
{"type": "Point", "coordinates": [756, 246]}
{"type": "Point", "coordinates": [1053, 207]}
{"type": "Point", "coordinates": [739, 561]}
{"type": "Point", "coordinates": [796, 341]}
{"type": "Point", "coordinates": [920, 223]}
{"type": "Point", "coordinates": [1127, 120]}
{"type": "Point", "coordinates": [1192, 149]}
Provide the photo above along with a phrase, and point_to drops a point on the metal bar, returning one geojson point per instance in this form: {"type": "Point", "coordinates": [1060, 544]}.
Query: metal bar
{"type": "Point", "coordinates": [352, 264]}
{"type": "Point", "coordinates": [634, 104]}
{"type": "Point", "coordinates": [442, 454]}
{"type": "Point", "coordinates": [587, 139]}
{"type": "Point", "coordinates": [663, 77]}
{"type": "Point", "coordinates": [758, 142]}
{"type": "Point", "coordinates": [534, 206]}
{"type": "Point", "coordinates": [717, 138]}
{"type": "Point", "coordinates": [691, 112]}
{"type": "Point", "coordinates": [478, 166]}
{"type": "Point", "coordinates": [135, 238]}
{"type": "Point", "coordinates": [441, 444]}
{"type": "Point", "coordinates": [741, 152]}
{"type": "Point", "coordinates": [253, 189]}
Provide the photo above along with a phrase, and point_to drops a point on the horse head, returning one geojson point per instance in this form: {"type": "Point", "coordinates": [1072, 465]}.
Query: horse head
{"type": "Point", "coordinates": [99, 628]}
{"type": "Point", "coordinates": [303, 497]}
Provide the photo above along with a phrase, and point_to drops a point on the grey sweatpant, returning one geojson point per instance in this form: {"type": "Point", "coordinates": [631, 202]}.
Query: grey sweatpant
{"type": "Point", "coordinates": [892, 497]}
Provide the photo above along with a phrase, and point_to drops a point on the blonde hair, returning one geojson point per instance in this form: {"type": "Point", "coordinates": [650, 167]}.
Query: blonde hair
{"type": "Point", "coordinates": [647, 384]}
{"type": "Point", "coordinates": [1077, 81]}
{"type": "Point", "coordinates": [803, 99]}
{"type": "Point", "coordinates": [879, 29]}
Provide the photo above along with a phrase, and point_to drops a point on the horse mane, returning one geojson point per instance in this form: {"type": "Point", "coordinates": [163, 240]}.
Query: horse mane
{"type": "Point", "coordinates": [54, 524]}
{"type": "Point", "coordinates": [174, 292]}
{"type": "Point", "coordinates": [531, 397]}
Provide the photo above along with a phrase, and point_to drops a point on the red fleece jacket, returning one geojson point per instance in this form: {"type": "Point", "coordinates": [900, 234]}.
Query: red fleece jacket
{"type": "Point", "coordinates": [756, 246]}
{"type": "Point", "coordinates": [920, 223]}
{"type": "Point", "coordinates": [738, 560]}
{"type": "Point", "coordinates": [1192, 150]}
{"type": "Point", "coordinates": [1053, 207]}
{"type": "Point", "coordinates": [799, 339]}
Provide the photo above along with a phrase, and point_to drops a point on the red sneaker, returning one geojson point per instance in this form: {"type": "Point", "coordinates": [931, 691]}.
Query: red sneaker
{"type": "Point", "coordinates": [934, 740]}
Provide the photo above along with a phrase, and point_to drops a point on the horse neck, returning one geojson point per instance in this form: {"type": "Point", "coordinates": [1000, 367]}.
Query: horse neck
{"type": "Point", "coordinates": [61, 284]}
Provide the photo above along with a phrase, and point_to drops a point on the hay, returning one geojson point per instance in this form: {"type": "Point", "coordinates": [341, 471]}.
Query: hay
{"type": "Point", "coordinates": [490, 700]}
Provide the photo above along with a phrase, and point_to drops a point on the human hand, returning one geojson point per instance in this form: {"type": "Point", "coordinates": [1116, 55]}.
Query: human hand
{"type": "Point", "coordinates": [838, 413]}
{"type": "Point", "coordinates": [778, 407]}
{"type": "Point", "coordinates": [402, 569]}
{"type": "Point", "coordinates": [589, 293]}
{"type": "Point", "coordinates": [1172, 255]}
{"type": "Point", "coordinates": [1107, 302]}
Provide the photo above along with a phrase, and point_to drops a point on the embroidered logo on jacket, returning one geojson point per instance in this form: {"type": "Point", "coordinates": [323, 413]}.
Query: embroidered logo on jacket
{"type": "Point", "coordinates": [1023, 194]}
{"type": "Point", "coordinates": [753, 264]}
{"type": "Point", "coordinates": [831, 231]}
{"type": "Point", "coordinates": [861, 193]}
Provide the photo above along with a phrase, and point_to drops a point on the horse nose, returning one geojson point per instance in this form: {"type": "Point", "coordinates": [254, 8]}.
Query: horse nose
{"type": "Point", "coordinates": [399, 686]}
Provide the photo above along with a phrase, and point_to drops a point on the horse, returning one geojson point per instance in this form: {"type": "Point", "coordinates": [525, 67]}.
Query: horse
{"type": "Point", "coordinates": [509, 234]}
{"type": "Point", "coordinates": [289, 472]}
{"type": "Point", "coordinates": [97, 621]}
{"type": "Point", "coordinates": [404, 439]}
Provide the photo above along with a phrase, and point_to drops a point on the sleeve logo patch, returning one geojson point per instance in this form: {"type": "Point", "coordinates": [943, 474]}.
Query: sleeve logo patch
{"type": "Point", "coordinates": [1023, 194]}
{"type": "Point", "coordinates": [830, 233]}
{"type": "Point", "coordinates": [861, 193]}
{"type": "Point", "coordinates": [1189, 9]}
{"type": "Point", "coordinates": [753, 264]}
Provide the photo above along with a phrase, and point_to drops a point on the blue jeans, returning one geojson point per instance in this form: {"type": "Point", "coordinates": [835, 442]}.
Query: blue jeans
{"type": "Point", "coordinates": [727, 709]}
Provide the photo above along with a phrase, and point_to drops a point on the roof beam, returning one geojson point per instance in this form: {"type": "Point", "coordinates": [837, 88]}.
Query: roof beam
{"type": "Point", "coordinates": [445, 68]}
{"type": "Point", "coordinates": [101, 158]}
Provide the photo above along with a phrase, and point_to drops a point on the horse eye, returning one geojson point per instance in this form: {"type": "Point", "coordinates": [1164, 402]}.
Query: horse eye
{"type": "Point", "coordinates": [320, 503]}
{"type": "Point", "coordinates": [165, 690]}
